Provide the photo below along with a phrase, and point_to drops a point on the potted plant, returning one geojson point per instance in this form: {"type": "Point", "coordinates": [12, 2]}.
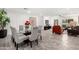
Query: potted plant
{"type": "Point", "coordinates": [27, 24]}
{"type": "Point", "coordinates": [4, 20]}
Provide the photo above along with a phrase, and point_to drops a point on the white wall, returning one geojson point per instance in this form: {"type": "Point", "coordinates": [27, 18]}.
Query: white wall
{"type": "Point", "coordinates": [20, 18]}
{"type": "Point", "coordinates": [17, 19]}
{"type": "Point", "coordinates": [51, 20]}
{"type": "Point", "coordinates": [59, 18]}
{"type": "Point", "coordinates": [74, 17]}
{"type": "Point", "coordinates": [40, 21]}
{"type": "Point", "coordinates": [47, 18]}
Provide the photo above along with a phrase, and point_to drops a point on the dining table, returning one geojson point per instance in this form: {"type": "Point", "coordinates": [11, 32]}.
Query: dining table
{"type": "Point", "coordinates": [27, 33]}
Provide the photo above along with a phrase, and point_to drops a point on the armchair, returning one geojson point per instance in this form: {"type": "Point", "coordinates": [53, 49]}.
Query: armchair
{"type": "Point", "coordinates": [39, 32]}
{"type": "Point", "coordinates": [33, 38]}
{"type": "Point", "coordinates": [17, 38]}
{"type": "Point", "coordinates": [56, 29]}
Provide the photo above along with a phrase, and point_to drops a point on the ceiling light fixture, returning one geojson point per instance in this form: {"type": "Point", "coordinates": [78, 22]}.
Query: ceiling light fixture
{"type": "Point", "coordinates": [27, 10]}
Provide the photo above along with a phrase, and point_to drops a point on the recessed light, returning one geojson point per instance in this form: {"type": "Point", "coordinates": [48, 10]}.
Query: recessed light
{"type": "Point", "coordinates": [28, 11]}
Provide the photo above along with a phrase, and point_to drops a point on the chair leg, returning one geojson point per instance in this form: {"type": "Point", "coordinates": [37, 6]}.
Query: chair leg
{"type": "Point", "coordinates": [12, 39]}
{"type": "Point", "coordinates": [36, 41]}
{"type": "Point", "coordinates": [28, 44]}
{"type": "Point", "coordinates": [16, 46]}
{"type": "Point", "coordinates": [41, 37]}
{"type": "Point", "coordinates": [31, 44]}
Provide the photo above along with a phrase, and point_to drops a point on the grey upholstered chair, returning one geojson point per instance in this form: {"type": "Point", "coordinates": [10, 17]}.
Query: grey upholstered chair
{"type": "Point", "coordinates": [40, 32]}
{"type": "Point", "coordinates": [17, 39]}
{"type": "Point", "coordinates": [33, 38]}
{"type": "Point", "coordinates": [21, 29]}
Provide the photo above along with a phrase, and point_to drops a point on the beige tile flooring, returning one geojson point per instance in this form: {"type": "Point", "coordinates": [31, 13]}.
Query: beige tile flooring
{"type": "Point", "coordinates": [49, 42]}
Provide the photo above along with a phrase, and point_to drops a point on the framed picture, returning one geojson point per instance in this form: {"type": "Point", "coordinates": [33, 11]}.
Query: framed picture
{"type": "Point", "coordinates": [56, 22]}
{"type": "Point", "coordinates": [46, 22]}
{"type": "Point", "coordinates": [65, 21]}
{"type": "Point", "coordinates": [69, 20]}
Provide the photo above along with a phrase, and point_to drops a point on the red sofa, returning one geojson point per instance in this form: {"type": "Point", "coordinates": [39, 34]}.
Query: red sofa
{"type": "Point", "coordinates": [56, 29]}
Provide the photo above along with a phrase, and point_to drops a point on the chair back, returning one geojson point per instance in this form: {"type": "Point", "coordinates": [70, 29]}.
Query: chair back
{"type": "Point", "coordinates": [39, 29]}
{"type": "Point", "coordinates": [14, 33]}
{"type": "Point", "coordinates": [21, 28]}
{"type": "Point", "coordinates": [34, 34]}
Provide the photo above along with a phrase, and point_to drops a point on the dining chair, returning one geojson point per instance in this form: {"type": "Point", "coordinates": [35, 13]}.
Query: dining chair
{"type": "Point", "coordinates": [17, 39]}
{"type": "Point", "coordinates": [40, 32]}
{"type": "Point", "coordinates": [21, 28]}
{"type": "Point", "coordinates": [33, 38]}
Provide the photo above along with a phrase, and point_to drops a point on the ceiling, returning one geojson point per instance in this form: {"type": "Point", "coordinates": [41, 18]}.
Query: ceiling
{"type": "Point", "coordinates": [45, 11]}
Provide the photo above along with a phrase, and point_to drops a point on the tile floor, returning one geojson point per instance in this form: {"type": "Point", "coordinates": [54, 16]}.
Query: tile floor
{"type": "Point", "coordinates": [49, 42]}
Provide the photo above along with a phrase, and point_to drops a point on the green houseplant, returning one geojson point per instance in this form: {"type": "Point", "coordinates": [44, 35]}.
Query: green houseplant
{"type": "Point", "coordinates": [4, 20]}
